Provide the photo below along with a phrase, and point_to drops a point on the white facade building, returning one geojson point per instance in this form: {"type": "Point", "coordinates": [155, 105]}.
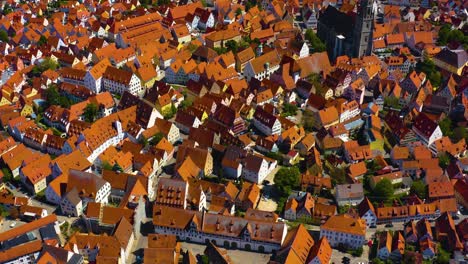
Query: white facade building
{"type": "Point", "coordinates": [267, 123]}
{"type": "Point", "coordinates": [118, 81]}
{"type": "Point", "coordinates": [344, 230]}
{"type": "Point", "coordinates": [262, 67]}
{"type": "Point", "coordinates": [224, 231]}
{"type": "Point", "coordinates": [257, 168]}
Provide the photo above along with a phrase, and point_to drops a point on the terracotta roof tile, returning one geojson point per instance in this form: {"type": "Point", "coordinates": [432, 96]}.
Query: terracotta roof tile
{"type": "Point", "coordinates": [346, 224]}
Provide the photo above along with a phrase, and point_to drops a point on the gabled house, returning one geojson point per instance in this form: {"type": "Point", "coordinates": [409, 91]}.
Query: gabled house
{"type": "Point", "coordinates": [248, 197]}
{"type": "Point", "coordinates": [327, 117]}
{"type": "Point", "coordinates": [119, 81]}
{"type": "Point", "coordinates": [262, 67]}
{"type": "Point", "coordinates": [305, 206]}
{"type": "Point", "coordinates": [291, 136]}
{"type": "Point", "coordinates": [184, 121]}
{"type": "Point", "coordinates": [256, 168]}
{"type": "Point", "coordinates": [34, 175]}
{"type": "Point", "coordinates": [367, 212]}
{"type": "Point", "coordinates": [266, 122]}
{"type": "Point", "coordinates": [306, 144]}
{"type": "Point", "coordinates": [427, 131]}
{"type": "Point", "coordinates": [344, 229]}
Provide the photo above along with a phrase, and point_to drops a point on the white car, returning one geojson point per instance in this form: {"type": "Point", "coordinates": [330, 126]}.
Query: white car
{"type": "Point", "coordinates": [12, 224]}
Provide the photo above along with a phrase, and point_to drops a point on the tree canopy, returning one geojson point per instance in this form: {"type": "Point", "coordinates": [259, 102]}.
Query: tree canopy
{"type": "Point", "coordinates": [449, 129]}
{"type": "Point", "coordinates": [46, 64]}
{"type": "Point", "coordinates": [4, 36]}
{"type": "Point", "coordinates": [315, 42]}
{"type": "Point", "coordinates": [155, 140]}
{"type": "Point", "coordinates": [444, 160]}
{"type": "Point", "coordinates": [447, 35]}
{"type": "Point", "coordinates": [308, 120]}
{"type": "Point", "coordinates": [53, 97]}
{"type": "Point", "coordinates": [383, 190]}
{"type": "Point", "coordinates": [42, 41]}
{"type": "Point", "coordinates": [289, 109]}
{"type": "Point", "coordinates": [286, 179]}
{"type": "Point", "coordinates": [91, 112]}
{"type": "Point", "coordinates": [419, 188]}
{"type": "Point", "coordinates": [338, 175]}
{"type": "Point", "coordinates": [429, 68]}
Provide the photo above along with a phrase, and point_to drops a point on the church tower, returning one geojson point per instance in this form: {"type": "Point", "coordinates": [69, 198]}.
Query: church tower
{"type": "Point", "coordinates": [364, 27]}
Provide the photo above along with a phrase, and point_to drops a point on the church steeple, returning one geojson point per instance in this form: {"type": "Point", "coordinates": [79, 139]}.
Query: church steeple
{"type": "Point", "coordinates": [362, 37]}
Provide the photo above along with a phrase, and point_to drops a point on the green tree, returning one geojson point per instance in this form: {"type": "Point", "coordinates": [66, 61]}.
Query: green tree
{"type": "Point", "coordinates": [106, 165]}
{"type": "Point", "coordinates": [289, 109]}
{"type": "Point", "coordinates": [171, 113]}
{"type": "Point", "coordinates": [315, 169]}
{"type": "Point", "coordinates": [392, 101]}
{"type": "Point", "coordinates": [255, 41]}
{"type": "Point", "coordinates": [238, 11]}
{"type": "Point", "coordinates": [185, 103]}
{"type": "Point", "coordinates": [443, 257]}
{"type": "Point", "coordinates": [459, 133]}
{"type": "Point", "coordinates": [357, 252]}
{"type": "Point", "coordinates": [247, 39]}
{"type": "Point", "coordinates": [232, 45]}
{"type": "Point", "coordinates": [4, 36]}
{"type": "Point", "coordinates": [54, 98]}
{"type": "Point", "coordinates": [145, 3]}
{"type": "Point", "coordinates": [316, 44]}
{"type": "Point", "coordinates": [308, 120]}
{"type": "Point", "coordinates": [192, 47]}
{"type": "Point", "coordinates": [220, 50]}
{"type": "Point", "coordinates": [314, 78]}
{"type": "Point", "coordinates": [117, 167]}
{"type": "Point", "coordinates": [48, 64]}
{"type": "Point", "coordinates": [42, 41]}
{"type": "Point", "coordinates": [338, 175]}
{"type": "Point", "coordinates": [444, 32]}
{"type": "Point", "coordinates": [7, 175]}
{"type": "Point", "coordinates": [205, 259]}
{"type": "Point", "coordinates": [286, 179]}
{"type": "Point", "coordinates": [444, 160]}
{"type": "Point", "coordinates": [446, 126]}
{"type": "Point", "coordinates": [274, 155]}
{"type": "Point", "coordinates": [155, 140]}
{"type": "Point", "coordinates": [429, 68]}
{"type": "Point", "coordinates": [163, 2]}
{"type": "Point", "coordinates": [419, 188]}
{"type": "Point", "coordinates": [377, 261]}
{"type": "Point", "coordinates": [447, 35]}
{"type": "Point", "coordinates": [248, 5]}
{"type": "Point", "coordinates": [144, 141]}
{"type": "Point", "coordinates": [383, 190]}
{"type": "Point", "coordinates": [7, 9]}
{"type": "Point", "coordinates": [366, 182]}
{"type": "Point", "coordinates": [91, 112]}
